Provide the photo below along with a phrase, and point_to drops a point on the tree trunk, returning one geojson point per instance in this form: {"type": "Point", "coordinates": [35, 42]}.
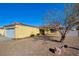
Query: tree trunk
{"type": "Point", "coordinates": [62, 38]}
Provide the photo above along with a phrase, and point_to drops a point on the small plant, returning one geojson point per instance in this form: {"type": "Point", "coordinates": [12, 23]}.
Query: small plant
{"type": "Point", "coordinates": [0, 35]}
{"type": "Point", "coordinates": [38, 34]}
{"type": "Point", "coordinates": [32, 35]}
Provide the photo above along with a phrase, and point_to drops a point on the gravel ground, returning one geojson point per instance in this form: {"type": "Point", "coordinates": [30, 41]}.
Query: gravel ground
{"type": "Point", "coordinates": [38, 46]}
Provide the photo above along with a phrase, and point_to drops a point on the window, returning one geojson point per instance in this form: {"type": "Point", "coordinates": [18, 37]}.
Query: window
{"type": "Point", "coordinates": [53, 30]}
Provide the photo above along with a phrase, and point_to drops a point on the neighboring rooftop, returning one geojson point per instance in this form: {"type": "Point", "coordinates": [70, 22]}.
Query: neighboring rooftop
{"type": "Point", "coordinates": [1, 28]}
{"type": "Point", "coordinates": [50, 27]}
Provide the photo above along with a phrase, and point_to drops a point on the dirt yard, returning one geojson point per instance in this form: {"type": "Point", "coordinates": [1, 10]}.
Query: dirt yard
{"type": "Point", "coordinates": [38, 46]}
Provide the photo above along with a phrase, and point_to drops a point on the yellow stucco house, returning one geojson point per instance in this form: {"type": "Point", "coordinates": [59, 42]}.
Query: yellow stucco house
{"type": "Point", "coordinates": [2, 31]}
{"type": "Point", "coordinates": [18, 30]}
{"type": "Point", "coordinates": [49, 31]}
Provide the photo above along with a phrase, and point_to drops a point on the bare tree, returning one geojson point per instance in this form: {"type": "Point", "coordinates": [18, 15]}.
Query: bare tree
{"type": "Point", "coordinates": [70, 18]}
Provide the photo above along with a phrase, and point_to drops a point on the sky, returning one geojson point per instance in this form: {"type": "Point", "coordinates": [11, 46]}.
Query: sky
{"type": "Point", "coordinates": [27, 13]}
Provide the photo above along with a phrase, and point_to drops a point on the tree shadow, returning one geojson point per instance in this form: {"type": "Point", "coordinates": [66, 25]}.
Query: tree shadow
{"type": "Point", "coordinates": [53, 50]}
{"type": "Point", "coordinates": [46, 38]}
{"type": "Point", "coordinates": [66, 46]}
{"type": "Point", "coordinates": [74, 48]}
{"type": "Point", "coordinates": [55, 41]}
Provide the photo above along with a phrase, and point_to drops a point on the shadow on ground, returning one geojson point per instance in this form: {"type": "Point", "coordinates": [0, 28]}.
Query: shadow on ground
{"type": "Point", "coordinates": [47, 38]}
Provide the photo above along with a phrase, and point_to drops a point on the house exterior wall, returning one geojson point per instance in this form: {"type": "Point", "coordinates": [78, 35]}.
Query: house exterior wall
{"type": "Point", "coordinates": [21, 31]}
{"type": "Point", "coordinates": [25, 31]}
{"type": "Point", "coordinates": [2, 31]}
{"type": "Point", "coordinates": [53, 33]}
{"type": "Point", "coordinates": [49, 33]}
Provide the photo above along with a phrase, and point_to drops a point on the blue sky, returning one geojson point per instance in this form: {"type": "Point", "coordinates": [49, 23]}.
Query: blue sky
{"type": "Point", "coordinates": [27, 13]}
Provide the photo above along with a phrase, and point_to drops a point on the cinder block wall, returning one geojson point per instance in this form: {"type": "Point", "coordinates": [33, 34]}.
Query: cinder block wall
{"type": "Point", "coordinates": [72, 33]}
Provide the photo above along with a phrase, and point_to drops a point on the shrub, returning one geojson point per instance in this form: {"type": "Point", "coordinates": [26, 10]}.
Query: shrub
{"type": "Point", "coordinates": [38, 34]}
{"type": "Point", "coordinates": [32, 35]}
